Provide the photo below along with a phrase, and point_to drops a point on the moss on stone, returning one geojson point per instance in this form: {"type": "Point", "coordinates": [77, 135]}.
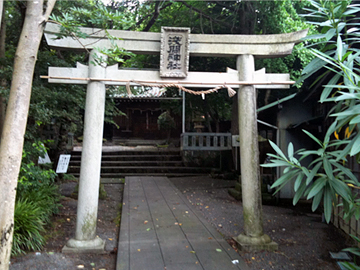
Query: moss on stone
{"type": "Point", "coordinates": [102, 192]}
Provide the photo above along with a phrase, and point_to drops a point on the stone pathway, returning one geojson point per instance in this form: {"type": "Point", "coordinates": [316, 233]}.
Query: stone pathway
{"type": "Point", "coordinates": [159, 230]}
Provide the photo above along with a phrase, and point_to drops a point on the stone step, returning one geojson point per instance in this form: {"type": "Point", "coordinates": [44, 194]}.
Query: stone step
{"type": "Point", "coordinates": [122, 175]}
{"type": "Point", "coordinates": [145, 169]}
{"type": "Point", "coordinates": [137, 152]}
{"type": "Point", "coordinates": [134, 163]}
{"type": "Point", "coordinates": [133, 157]}
{"type": "Point", "coordinates": [144, 162]}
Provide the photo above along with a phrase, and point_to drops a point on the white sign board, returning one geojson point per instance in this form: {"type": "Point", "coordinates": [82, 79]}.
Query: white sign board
{"type": "Point", "coordinates": [235, 141]}
{"type": "Point", "coordinates": [45, 159]}
{"type": "Point", "coordinates": [63, 163]}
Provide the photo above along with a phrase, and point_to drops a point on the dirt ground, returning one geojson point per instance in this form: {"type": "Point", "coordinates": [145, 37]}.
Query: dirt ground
{"type": "Point", "coordinates": [304, 240]}
{"type": "Point", "coordinates": [63, 228]}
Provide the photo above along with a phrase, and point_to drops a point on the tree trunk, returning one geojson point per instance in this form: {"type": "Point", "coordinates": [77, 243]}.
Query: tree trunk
{"type": "Point", "coordinates": [3, 81]}
{"type": "Point", "coordinates": [12, 138]}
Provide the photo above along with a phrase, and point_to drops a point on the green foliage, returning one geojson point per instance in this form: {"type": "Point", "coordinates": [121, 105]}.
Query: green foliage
{"type": "Point", "coordinates": [328, 176]}
{"type": "Point", "coordinates": [321, 181]}
{"type": "Point", "coordinates": [69, 178]}
{"type": "Point", "coordinates": [32, 176]}
{"type": "Point", "coordinates": [166, 121]}
{"type": "Point", "coordinates": [46, 198]}
{"type": "Point", "coordinates": [33, 210]}
{"type": "Point", "coordinates": [97, 15]}
{"type": "Point", "coordinates": [27, 228]}
{"type": "Point", "coordinates": [355, 251]}
{"type": "Point", "coordinates": [37, 199]}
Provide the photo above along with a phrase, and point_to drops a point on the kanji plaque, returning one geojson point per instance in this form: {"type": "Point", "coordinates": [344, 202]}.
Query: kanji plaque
{"type": "Point", "coordinates": [174, 57]}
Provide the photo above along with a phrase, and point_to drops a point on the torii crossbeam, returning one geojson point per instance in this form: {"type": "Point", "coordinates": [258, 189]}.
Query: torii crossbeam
{"type": "Point", "coordinates": [244, 47]}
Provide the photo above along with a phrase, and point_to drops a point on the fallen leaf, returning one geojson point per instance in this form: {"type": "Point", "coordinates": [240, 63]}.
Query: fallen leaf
{"type": "Point", "coordinates": [210, 237]}
{"type": "Point", "coordinates": [110, 239]}
{"type": "Point", "coordinates": [206, 207]}
{"type": "Point", "coordinates": [180, 224]}
{"type": "Point", "coordinates": [148, 229]}
{"type": "Point", "coordinates": [192, 251]}
{"type": "Point", "coordinates": [139, 249]}
{"type": "Point", "coordinates": [253, 258]}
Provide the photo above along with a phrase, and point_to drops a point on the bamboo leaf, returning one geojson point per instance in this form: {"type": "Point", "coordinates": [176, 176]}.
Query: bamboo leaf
{"type": "Point", "coordinates": [290, 150]}
{"type": "Point", "coordinates": [330, 131]}
{"type": "Point", "coordinates": [340, 188]}
{"type": "Point", "coordinates": [285, 178]}
{"type": "Point", "coordinates": [339, 47]}
{"type": "Point", "coordinates": [313, 137]}
{"type": "Point", "coordinates": [344, 170]}
{"type": "Point", "coordinates": [355, 149]}
{"type": "Point", "coordinates": [317, 199]}
{"type": "Point", "coordinates": [308, 152]}
{"type": "Point", "coordinates": [277, 150]}
{"type": "Point", "coordinates": [328, 88]}
{"type": "Point", "coordinates": [298, 181]}
{"type": "Point", "coordinates": [315, 65]}
{"type": "Point", "coordinates": [305, 171]}
{"type": "Point", "coordinates": [313, 173]}
{"type": "Point", "coordinates": [328, 168]}
{"type": "Point", "coordinates": [275, 163]}
{"type": "Point", "coordinates": [349, 112]}
{"type": "Point", "coordinates": [355, 120]}
{"type": "Point", "coordinates": [317, 187]}
{"type": "Point", "coordinates": [347, 148]}
{"type": "Point", "coordinates": [274, 156]}
{"type": "Point", "coordinates": [330, 33]}
{"type": "Point", "coordinates": [327, 204]}
{"type": "Point", "coordinates": [299, 193]}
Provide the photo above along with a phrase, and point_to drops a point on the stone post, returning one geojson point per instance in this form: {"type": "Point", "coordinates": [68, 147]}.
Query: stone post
{"type": "Point", "coordinates": [86, 240]}
{"type": "Point", "coordinates": [253, 238]}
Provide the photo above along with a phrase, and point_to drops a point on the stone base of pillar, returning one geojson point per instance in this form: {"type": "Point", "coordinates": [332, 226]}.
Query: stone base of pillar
{"type": "Point", "coordinates": [94, 246]}
{"type": "Point", "coordinates": [253, 244]}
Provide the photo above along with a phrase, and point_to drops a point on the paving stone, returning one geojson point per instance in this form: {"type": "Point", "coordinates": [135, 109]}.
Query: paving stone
{"type": "Point", "coordinates": [159, 230]}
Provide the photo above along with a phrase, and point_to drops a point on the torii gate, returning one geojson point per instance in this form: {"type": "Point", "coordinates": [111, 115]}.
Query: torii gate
{"type": "Point", "coordinates": [244, 47]}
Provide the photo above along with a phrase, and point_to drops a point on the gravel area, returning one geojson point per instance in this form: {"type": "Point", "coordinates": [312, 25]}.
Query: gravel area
{"type": "Point", "coordinates": [304, 240]}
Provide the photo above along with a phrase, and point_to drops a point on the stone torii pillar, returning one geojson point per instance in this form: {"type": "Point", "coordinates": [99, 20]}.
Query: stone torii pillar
{"type": "Point", "coordinates": [253, 237]}
{"type": "Point", "coordinates": [85, 235]}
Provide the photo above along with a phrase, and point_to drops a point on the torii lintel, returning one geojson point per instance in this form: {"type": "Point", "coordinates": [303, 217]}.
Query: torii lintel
{"type": "Point", "coordinates": [219, 45]}
{"type": "Point", "coordinates": [79, 75]}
